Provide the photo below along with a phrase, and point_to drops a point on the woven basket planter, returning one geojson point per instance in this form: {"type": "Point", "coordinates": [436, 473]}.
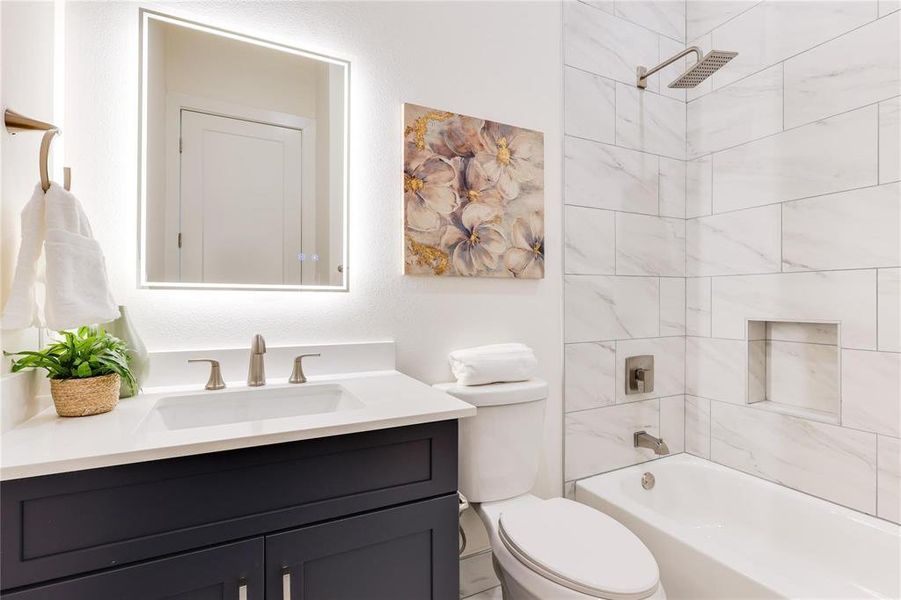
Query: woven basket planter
{"type": "Point", "coordinates": [83, 397]}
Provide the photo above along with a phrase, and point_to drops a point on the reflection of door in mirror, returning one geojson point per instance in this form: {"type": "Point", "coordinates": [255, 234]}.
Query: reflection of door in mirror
{"type": "Point", "coordinates": [240, 182]}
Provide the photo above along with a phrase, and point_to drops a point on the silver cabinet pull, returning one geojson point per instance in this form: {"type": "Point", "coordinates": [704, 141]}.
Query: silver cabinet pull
{"type": "Point", "coordinates": [286, 583]}
{"type": "Point", "coordinates": [242, 589]}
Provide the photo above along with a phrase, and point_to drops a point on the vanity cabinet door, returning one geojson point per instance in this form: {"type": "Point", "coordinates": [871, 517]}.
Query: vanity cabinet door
{"type": "Point", "coordinates": [229, 572]}
{"type": "Point", "coordinates": [403, 553]}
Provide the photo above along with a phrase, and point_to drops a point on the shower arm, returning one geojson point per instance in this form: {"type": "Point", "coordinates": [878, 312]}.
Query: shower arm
{"type": "Point", "coordinates": [643, 73]}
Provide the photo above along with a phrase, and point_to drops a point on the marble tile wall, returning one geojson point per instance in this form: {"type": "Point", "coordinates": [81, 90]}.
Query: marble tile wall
{"type": "Point", "coordinates": [625, 192]}
{"type": "Point", "coordinates": [793, 212]}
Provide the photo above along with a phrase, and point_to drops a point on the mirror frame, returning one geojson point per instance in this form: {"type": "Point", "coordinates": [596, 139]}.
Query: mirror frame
{"type": "Point", "coordinates": [147, 15]}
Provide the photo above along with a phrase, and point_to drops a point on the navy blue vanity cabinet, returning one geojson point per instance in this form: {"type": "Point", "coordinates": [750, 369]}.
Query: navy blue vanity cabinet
{"type": "Point", "coordinates": [372, 512]}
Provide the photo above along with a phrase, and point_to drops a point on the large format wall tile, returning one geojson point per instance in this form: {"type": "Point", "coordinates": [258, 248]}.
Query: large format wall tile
{"type": "Point", "coordinates": [589, 375]}
{"type": "Point", "coordinates": [649, 122]}
{"type": "Point", "coordinates": [828, 461]}
{"type": "Point", "coordinates": [716, 369]}
{"type": "Point", "coordinates": [589, 105]}
{"type": "Point", "coordinates": [856, 69]}
{"type": "Point", "coordinates": [697, 426]}
{"type": "Point", "coordinates": [698, 187]}
{"type": "Point", "coordinates": [672, 423]}
{"type": "Point", "coordinates": [600, 440]}
{"type": "Point", "coordinates": [702, 16]}
{"type": "Point", "coordinates": [664, 17]}
{"type": "Point", "coordinates": [738, 113]}
{"type": "Point", "coordinates": [649, 245]}
{"type": "Point", "coordinates": [666, 75]}
{"type": "Point", "coordinates": [871, 391]}
{"type": "Point", "coordinates": [855, 229]}
{"type": "Point", "coordinates": [672, 188]}
{"type": "Point", "coordinates": [890, 140]}
{"type": "Point", "coordinates": [888, 6]}
{"type": "Point", "coordinates": [845, 296]}
{"type": "Point", "coordinates": [736, 243]}
{"type": "Point", "coordinates": [669, 366]}
{"type": "Point", "coordinates": [827, 156]}
{"type": "Point", "coordinates": [672, 306]}
{"type": "Point", "coordinates": [598, 42]}
{"type": "Point", "coordinates": [598, 308]}
{"type": "Point", "coordinates": [802, 375]}
{"type": "Point", "coordinates": [773, 31]}
{"type": "Point", "coordinates": [889, 494]}
{"type": "Point", "coordinates": [889, 302]}
{"type": "Point", "coordinates": [697, 306]}
{"type": "Point", "coordinates": [589, 241]}
{"type": "Point", "coordinates": [604, 176]}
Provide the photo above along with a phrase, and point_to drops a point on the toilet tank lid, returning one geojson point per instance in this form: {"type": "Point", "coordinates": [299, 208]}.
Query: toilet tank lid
{"type": "Point", "coordinates": [497, 394]}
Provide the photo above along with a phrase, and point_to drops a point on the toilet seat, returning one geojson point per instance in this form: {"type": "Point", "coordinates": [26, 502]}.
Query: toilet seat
{"type": "Point", "coordinates": [580, 548]}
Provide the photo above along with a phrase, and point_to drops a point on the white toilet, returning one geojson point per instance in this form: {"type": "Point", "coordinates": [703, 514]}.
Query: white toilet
{"type": "Point", "coordinates": [543, 549]}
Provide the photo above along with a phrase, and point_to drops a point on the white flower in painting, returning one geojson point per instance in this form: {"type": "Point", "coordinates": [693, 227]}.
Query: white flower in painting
{"type": "Point", "coordinates": [474, 240]}
{"type": "Point", "coordinates": [508, 158]}
{"type": "Point", "coordinates": [429, 193]}
{"type": "Point", "coordinates": [474, 185]}
{"type": "Point", "coordinates": [526, 257]}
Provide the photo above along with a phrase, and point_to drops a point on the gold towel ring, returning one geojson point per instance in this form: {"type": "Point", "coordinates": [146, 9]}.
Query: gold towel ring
{"type": "Point", "coordinates": [16, 123]}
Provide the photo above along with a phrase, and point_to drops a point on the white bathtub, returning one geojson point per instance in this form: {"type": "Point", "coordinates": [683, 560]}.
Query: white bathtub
{"type": "Point", "coordinates": [719, 533]}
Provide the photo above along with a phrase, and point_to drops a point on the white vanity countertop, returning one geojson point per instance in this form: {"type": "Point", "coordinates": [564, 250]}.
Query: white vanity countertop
{"type": "Point", "coordinates": [48, 444]}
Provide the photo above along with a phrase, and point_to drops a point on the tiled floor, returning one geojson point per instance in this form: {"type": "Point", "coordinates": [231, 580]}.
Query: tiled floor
{"type": "Point", "coordinates": [492, 594]}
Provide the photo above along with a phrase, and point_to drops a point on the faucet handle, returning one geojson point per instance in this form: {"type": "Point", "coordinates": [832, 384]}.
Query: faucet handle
{"type": "Point", "coordinates": [215, 381]}
{"type": "Point", "coordinates": [297, 375]}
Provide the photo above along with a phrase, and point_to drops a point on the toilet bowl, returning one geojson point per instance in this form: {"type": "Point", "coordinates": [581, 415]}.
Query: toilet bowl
{"type": "Point", "coordinates": [543, 549]}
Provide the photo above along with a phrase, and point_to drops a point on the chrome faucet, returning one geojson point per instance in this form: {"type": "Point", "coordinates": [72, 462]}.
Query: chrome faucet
{"type": "Point", "coordinates": [643, 439]}
{"type": "Point", "coordinates": [256, 374]}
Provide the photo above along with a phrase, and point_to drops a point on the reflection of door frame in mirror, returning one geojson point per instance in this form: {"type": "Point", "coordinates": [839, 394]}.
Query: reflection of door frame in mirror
{"type": "Point", "coordinates": [344, 153]}
{"type": "Point", "coordinates": [175, 103]}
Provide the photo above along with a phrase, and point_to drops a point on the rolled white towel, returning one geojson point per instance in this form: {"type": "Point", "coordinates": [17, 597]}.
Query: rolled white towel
{"type": "Point", "coordinates": [493, 364]}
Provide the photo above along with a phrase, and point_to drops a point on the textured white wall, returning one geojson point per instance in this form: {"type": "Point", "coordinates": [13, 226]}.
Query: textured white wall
{"type": "Point", "coordinates": [495, 60]}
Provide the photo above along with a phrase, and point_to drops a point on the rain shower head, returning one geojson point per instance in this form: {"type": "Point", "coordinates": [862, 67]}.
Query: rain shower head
{"type": "Point", "coordinates": [706, 66]}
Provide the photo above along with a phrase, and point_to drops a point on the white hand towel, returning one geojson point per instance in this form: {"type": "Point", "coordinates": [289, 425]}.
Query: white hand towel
{"type": "Point", "coordinates": [77, 287]}
{"type": "Point", "coordinates": [493, 364]}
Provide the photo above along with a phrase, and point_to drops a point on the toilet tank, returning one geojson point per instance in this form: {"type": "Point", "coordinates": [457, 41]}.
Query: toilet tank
{"type": "Point", "coordinates": [501, 446]}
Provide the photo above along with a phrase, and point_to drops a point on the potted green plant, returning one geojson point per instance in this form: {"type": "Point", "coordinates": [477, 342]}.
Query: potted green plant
{"type": "Point", "coordinates": [85, 370]}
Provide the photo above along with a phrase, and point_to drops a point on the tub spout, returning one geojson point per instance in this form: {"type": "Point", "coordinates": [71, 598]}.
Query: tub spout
{"type": "Point", "coordinates": [643, 439]}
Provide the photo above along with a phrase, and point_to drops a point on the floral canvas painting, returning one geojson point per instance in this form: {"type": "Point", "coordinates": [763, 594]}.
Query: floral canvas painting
{"type": "Point", "coordinates": [473, 196]}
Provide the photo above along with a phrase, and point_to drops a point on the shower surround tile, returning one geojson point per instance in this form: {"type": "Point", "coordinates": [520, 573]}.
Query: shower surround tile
{"type": "Point", "coordinates": [698, 187]}
{"type": "Point", "coordinates": [889, 302]}
{"type": "Point", "coordinates": [889, 482]}
{"type": "Point", "coordinates": [589, 241]}
{"type": "Point", "coordinates": [649, 122]}
{"type": "Point", "coordinates": [816, 235]}
{"type": "Point", "coordinates": [888, 6]}
{"type": "Point", "coordinates": [598, 308]}
{"type": "Point", "coordinates": [697, 426]}
{"type": "Point", "coordinates": [716, 369]}
{"type": "Point", "coordinates": [871, 391]}
{"type": "Point", "coordinates": [845, 296]}
{"type": "Point", "coordinates": [672, 306]}
{"type": "Point", "coordinates": [827, 156]}
{"type": "Point", "coordinates": [734, 243]}
{"type": "Point", "coordinates": [672, 188]}
{"type": "Point", "coordinates": [669, 367]}
{"type": "Point", "coordinates": [824, 460]}
{"type": "Point", "coordinates": [856, 69]}
{"type": "Point", "coordinates": [603, 44]}
{"type": "Point", "coordinates": [802, 375]}
{"type": "Point", "coordinates": [773, 31]}
{"type": "Point", "coordinates": [672, 423]}
{"type": "Point", "coordinates": [589, 375]}
{"type": "Point", "coordinates": [669, 48]}
{"type": "Point", "coordinates": [890, 140]}
{"type": "Point", "coordinates": [667, 18]}
{"type": "Point", "coordinates": [589, 105]}
{"type": "Point", "coordinates": [697, 306]}
{"type": "Point", "coordinates": [648, 245]}
{"type": "Point", "coordinates": [705, 15]}
{"type": "Point", "coordinates": [600, 440]}
{"type": "Point", "coordinates": [743, 111]}
{"type": "Point", "coordinates": [603, 176]}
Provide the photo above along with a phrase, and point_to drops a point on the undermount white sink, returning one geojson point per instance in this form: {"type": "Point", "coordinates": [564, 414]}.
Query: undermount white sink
{"type": "Point", "coordinates": [257, 404]}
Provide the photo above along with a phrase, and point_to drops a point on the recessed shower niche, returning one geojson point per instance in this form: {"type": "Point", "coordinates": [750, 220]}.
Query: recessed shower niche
{"type": "Point", "coordinates": [793, 368]}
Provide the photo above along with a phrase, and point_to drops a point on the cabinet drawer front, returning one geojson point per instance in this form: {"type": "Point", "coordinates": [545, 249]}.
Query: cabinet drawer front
{"type": "Point", "coordinates": [229, 572]}
{"type": "Point", "coordinates": [64, 524]}
{"type": "Point", "coordinates": [402, 553]}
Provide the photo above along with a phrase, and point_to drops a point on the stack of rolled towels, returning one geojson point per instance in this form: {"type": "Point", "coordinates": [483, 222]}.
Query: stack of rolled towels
{"type": "Point", "coordinates": [493, 364]}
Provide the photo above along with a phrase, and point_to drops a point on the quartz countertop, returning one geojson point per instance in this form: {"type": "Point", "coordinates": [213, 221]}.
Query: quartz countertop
{"type": "Point", "coordinates": [47, 444]}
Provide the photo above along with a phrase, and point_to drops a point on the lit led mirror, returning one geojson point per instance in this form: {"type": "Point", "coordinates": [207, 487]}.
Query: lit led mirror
{"type": "Point", "coordinates": [243, 161]}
